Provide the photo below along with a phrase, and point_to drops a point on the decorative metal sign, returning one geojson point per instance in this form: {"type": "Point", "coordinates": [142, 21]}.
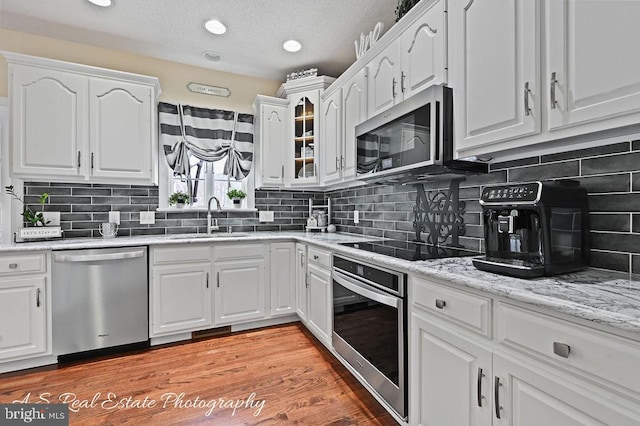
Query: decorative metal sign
{"type": "Point", "coordinates": [209, 90]}
{"type": "Point", "coordinates": [38, 233]}
{"type": "Point", "coordinates": [367, 41]}
{"type": "Point", "coordinates": [439, 213]}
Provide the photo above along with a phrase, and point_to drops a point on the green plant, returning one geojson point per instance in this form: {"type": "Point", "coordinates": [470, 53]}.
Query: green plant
{"type": "Point", "coordinates": [236, 193]}
{"type": "Point", "coordinates": [31, 217]}
{"type": "Point", "coordinates": [179, 197]}
{"type": "Point", "coordinates": [403, 7]}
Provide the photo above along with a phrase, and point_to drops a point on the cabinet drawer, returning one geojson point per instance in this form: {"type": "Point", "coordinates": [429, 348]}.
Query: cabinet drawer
{"type": "Point", "coordinates": [319, 257]}
{"type": "Point", "coordinates": [595, 353]}
{"type": "Point", "coordinates": [29, 263]}
{"type": "Point", "coordinates": [464, 309]}
{"type": "Point", "coordinates": [181, 253]}
{"type": "Point", "coordinates": [238, 251]}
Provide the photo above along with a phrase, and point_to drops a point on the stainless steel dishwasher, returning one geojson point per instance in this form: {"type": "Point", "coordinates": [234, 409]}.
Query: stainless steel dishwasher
{"type": "Point", "coordinates": [99, 298]}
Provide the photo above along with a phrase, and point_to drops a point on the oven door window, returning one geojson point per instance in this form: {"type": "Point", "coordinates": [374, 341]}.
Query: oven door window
{"type": "Point", "coordinates": [371, 328]}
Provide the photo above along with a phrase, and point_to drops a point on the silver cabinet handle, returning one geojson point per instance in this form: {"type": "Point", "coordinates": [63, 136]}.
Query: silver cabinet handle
{"type": "Point", "coordinates": [282, 173]}
{"type": "Point", "coordinates": [92, 161]}
{"type": "Point", "coordinates": [480, 377]}
{"type": "Point", "coordinates": [527, 110]}
{"type": "Point", "coordinates": [218, 279]}
{"type": "Point", "coordinates": [561, 349]}
{"type": "Point", "coordinates": [402, 76]}
{"type": "Point", "coordinates": [302, 260]}
{"type": "Point", "coordinates": [393, 87]}
{"type": "Point", "coordinates": [79, 157]}
{"type": "Point", "coordinates": [496, 396]}
{"type": "Point", "coordinates": [552, 88]}
{"type": "Point", "coordinates": [337, 163]}
{"type": "Point", "coordinates": [38, 298]}
{"type": "Point", "coordinates": [207, 280]}
{"type": "Point", "coordinates": [342, 161]}
{"type": "Point", "coordinates": [60, 257]}
{"type": "Point", "coordinates": [13, 266]}
{"type": "Point", "coordinates": [440, 304]}
{"type": "Point", "coordinates": [306, 280]}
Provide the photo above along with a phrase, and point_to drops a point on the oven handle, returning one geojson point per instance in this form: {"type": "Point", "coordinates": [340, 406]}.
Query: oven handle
{"type": "Point", "coordinates": [367, 292]}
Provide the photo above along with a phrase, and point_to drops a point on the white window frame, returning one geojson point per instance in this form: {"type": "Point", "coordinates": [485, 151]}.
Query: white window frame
{"type": "Point", "coordinates": [165, 179]}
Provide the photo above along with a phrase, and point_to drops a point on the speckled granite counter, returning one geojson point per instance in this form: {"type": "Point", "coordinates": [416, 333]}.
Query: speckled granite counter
{"type": "Point", "coordinates": [607, 298]}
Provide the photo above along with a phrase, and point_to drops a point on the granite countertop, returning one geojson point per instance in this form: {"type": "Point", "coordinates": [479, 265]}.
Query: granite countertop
{"type": "Point", "coordinates": [604, 297]}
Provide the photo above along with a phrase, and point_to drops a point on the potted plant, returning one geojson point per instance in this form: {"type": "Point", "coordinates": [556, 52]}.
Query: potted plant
{"type": "Point", "coordinates": [179, 199]}
{"type": "Point", "coordinates": [236, 195]}
{"type": "Point", "coordinates": [31, 218]}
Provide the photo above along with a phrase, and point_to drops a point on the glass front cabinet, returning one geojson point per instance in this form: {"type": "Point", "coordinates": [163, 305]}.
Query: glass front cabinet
{"type": "Point", "coordinates": [305, 140]}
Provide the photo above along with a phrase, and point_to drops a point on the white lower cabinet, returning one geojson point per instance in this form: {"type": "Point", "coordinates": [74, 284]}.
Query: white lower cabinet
{"type": "Point", "coordinates": [319, 295]}
{"type": "Point", "coordinates": [240, 283]}
{"type": "Point", "coordinates": [180, 289]}
{"type": "Point", "coordinates": [25, 307]}
{"type": "Point", "coordinates": [536, 370]}
{"type": "Point", "coordinates": [301, 281]}
{"type": "Point", "coordinates": [282, 275]}
{"type": "Point", "coordinates": [450, 377]}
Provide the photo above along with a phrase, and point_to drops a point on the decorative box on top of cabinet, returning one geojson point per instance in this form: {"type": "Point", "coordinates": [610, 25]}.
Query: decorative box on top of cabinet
{"type": "Point", "coordinates": [75, 122]}
{"type": "Point", "coordinates": [410, 63]}
{"type": "Point", "coordinates": [305, 135]}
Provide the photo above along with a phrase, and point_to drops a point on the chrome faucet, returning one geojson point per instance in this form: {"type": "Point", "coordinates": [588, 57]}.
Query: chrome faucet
{"type": "Point", "coordinates": [212, 226]}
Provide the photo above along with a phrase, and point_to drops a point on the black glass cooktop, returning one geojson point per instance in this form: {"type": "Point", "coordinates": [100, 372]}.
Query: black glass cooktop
{"type": "Point", "coordinates": [409, 250]}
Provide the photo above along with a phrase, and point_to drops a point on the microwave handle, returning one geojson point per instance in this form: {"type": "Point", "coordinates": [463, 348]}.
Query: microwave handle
{"type": "Point", "coordinates": [369, 293]}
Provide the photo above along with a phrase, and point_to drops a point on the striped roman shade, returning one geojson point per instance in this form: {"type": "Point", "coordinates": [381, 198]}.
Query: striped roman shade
{"type": "Point", "coordinates": [208, 134]}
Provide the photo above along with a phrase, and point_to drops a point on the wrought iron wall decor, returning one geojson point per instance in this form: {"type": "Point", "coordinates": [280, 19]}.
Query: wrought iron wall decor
{"type": "Point", "coordinates": [439, 214]}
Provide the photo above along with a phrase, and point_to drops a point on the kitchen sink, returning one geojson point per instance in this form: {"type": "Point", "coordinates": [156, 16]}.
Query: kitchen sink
{"type": "Point", "coordinates": [212, 235]}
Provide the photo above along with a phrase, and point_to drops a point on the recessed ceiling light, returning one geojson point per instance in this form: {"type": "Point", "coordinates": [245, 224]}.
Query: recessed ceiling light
{"type": "Point", "coordinates": [215, 27]}
{"type": "Point", "coordinates": [292, 45]}
{"type": "Point", "coordinates": [101, 3]}
{"type": "Point", "coordinates": [211, 55]}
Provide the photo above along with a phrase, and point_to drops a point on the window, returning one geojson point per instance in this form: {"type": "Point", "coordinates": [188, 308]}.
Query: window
{"type": "Point", "coordinates": [207, 180]}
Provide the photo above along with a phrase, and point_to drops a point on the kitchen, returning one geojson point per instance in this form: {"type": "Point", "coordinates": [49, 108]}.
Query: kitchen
{"type": "Point", "coordinates": [562, 347]}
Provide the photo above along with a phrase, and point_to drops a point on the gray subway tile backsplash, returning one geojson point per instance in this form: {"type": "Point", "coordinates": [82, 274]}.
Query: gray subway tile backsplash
{"type": "Point", "coordinates": [611, 174]}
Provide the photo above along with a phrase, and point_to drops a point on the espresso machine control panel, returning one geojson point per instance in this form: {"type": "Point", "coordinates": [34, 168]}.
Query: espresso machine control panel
{"type": "Point", "coordinates": [527, 193]}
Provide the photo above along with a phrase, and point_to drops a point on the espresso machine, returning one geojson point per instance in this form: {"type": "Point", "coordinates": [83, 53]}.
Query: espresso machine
{"type": "Point", "coordinates": [535, 229]}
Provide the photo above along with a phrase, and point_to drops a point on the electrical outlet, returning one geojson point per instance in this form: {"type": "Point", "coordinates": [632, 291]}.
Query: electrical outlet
{"type": "Point", "coordinates": [356, 216]}
{"type": "Point", "coordinates": [265, 216]}
{"type": "Point", "coordinates": [52, 218]}
{"type": "Point", "coordinates": [147, 218]}
{"type": "Point", "coordinates": [114, 217]}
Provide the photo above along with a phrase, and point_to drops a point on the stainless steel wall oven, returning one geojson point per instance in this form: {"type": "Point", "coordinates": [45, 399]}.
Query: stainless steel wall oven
{"type": "Point", "coordinates": [370, 326]}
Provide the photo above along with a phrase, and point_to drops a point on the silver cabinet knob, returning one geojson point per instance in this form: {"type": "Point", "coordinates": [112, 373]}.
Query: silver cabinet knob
{"type": "Point", "coordinates": [13, 266]}
{"type": "Point", "coordinates": [440, 304]}
{"type": "Point", "coordinates": [561, 349]}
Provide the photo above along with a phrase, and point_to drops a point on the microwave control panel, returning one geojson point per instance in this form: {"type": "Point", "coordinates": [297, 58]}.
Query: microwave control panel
{"type": "Point", "coordinates": [527, 193]}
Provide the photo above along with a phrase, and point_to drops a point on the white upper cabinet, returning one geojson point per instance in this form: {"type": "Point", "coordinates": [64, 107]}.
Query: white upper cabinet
{"type": "Point", "coordinates": [413, 61]}
{"type": "Point", "coordinates": [593, 61]}
{"type": "Point", "coordinates": [120, 118]}
{"type": "Point", "coordinates": [494, 66]}
{"type": "Point", "coordinates": [332, 138]}
{"type": "Point", "coordinates": [272, 130]}
{"type": "Point", "coordinates": [76, 123]}
{"type": "Point", "coordinates": [47, 110]}
{"type": "Point", "coordinates": [354, 106]}
{"type": "Point", "coordinates": [304, 139]}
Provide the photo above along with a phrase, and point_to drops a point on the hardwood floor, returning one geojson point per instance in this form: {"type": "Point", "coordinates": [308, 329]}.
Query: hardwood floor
{"type": "Point", "coordinates": [272, 376]}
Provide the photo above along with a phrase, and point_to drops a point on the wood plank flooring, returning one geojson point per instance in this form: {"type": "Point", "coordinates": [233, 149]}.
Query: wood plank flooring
{"type": "Point", "coordinates": [273, 376]}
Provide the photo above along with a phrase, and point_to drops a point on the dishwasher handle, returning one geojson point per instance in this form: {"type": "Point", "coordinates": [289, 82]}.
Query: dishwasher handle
{"type": "Point", "coordinates": [62, 257]}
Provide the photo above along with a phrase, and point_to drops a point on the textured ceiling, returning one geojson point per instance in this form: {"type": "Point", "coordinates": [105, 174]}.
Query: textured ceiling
{"type": "Point", "coordinates": [173, 30]}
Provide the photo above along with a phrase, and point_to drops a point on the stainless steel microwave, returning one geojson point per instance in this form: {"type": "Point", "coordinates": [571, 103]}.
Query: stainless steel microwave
{"type": "Point", "coordinates": [413, 140]}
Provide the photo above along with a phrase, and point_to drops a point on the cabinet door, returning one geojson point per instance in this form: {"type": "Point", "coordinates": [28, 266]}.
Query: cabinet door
{"type": "Point", "coordinates": [180, 298]}
{"type": "Point", "coordinates": [332, 138]}
{"type": "Point", "coordinates": [540, 397]}
{"type": "Point", "coordinates": [494, 69]}
{"type": "Point", "coordinates": [593, 53]}
{"type": "Point", "coordinates": [301, 281]}
{"type": "Point", "coordinates": [383, 73]}
{"type": "Point", "coordinates": [306, 136]}
{"type": "Point", "coordinates": [240, 291]}
{"type": "Point", "coordinates": [450, 382]}
{"type": "Point", "coordinates": [319, 309]}
{"type": "Point", "coordinates": [48, 125]}
{"type": "Point", "coordinates": [283, 278]}
{"type": "Point", "coordinates": [354, 112]}
{"type": "Point", "coordinates": [121, 128]}
{"type": "Point", "coordinates": [23, 317]}
{"type": "Point", "coordinates": [422, 51]}
{"type": "Point", "coordinates": [274, 135]}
